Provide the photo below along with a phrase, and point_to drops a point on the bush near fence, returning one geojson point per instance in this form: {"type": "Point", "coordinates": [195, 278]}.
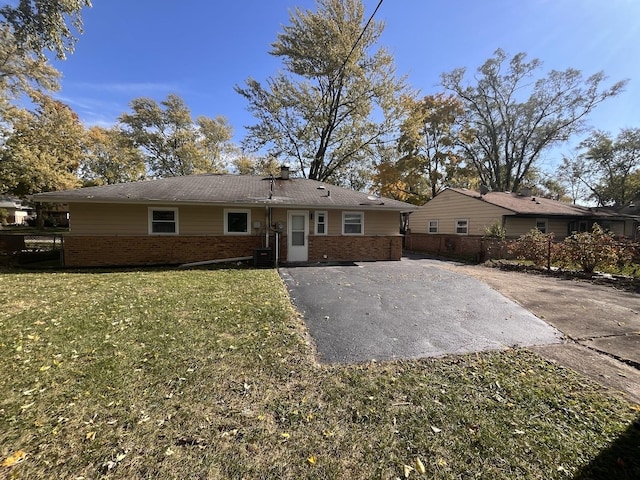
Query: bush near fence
{"type": "Point", "coordinates": [540, 249]}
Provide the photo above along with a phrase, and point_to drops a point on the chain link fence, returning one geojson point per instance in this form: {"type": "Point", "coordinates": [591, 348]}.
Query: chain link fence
{"type": "Point", "coordinates": [29, 249]}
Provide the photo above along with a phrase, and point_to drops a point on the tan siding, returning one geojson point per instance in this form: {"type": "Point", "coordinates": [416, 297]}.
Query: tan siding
{"type": "Point", "coordinates": [278, 215]}
{"type": "Point", "coordinates": [629, 229]}
{"type": "Point", "coordinates": [104, 219]}
{"type": "Point", "coordinates": [559, 227]}
{"type": "Point", "coordinates": [200, 220]}
{"type": "Point", "coordinates": [618, 228]}
{"type": "Point", "coordinates": [381, 223]}
{"type": "Point", "coordinates": [375, 222]}
{"type": "Point", "coordinates": [449, 206]}
{"type": "Point", "coordinates": [208, 220]}
{"type": "Point", "coordinates": [335, 222]}
{"type": "Point", "coordinates": [518, 226]}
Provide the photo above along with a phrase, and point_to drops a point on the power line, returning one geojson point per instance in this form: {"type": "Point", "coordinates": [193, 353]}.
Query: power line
{"type": "Point", "coordinates": [344, 64]}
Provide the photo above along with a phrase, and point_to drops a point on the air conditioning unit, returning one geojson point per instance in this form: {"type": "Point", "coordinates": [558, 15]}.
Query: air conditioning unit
{"type": "Point", "coordinates": [262, 258]}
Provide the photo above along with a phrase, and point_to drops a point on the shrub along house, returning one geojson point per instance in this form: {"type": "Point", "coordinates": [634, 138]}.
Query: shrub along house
{"type": "Point", "coordinates": [208, 217]}
{"type": "Point", "coordinates": [455, 220]}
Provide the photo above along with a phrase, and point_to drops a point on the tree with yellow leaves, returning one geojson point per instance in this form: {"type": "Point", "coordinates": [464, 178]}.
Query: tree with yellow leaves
{"type": "Point", "coordinates": [44, 149]}
{"type": "Point", "coordinates": [428, 161]}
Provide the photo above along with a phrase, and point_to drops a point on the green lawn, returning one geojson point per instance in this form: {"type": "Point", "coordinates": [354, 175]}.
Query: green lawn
{"type": "Point", "coordinates": [209, 374]}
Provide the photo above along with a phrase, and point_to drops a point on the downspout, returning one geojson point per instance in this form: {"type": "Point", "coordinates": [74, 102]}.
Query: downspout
{"type": "Point", "coordinates": [267, 221]}
{"type": "Point", "coordinates": [276, 235]}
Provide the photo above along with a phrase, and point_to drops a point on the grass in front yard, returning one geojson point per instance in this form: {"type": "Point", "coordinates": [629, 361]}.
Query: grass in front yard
{"type": "Point", "coordinates": [207, 374]}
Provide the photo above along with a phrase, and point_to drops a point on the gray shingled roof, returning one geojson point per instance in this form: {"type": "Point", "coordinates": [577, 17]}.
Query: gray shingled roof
{"type": "Point", "coordinates": [532, 205]}
{"type": "Point", "coordinates": [226, 189]}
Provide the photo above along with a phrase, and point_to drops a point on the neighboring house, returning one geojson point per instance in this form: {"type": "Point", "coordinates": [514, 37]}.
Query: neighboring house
{"type": "Point", "coordinates": [632, 211]}
{"type": "Point", "coordinates": [458, 211]}
{"type": "Point", "coordinates": [18, 212]}
{"type": "Point", "coordinates": [207, 217]}
{"type": "Point", "coordinates": [56, 215]}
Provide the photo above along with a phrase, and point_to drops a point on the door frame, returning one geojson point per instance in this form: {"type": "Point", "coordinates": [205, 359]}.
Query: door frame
{"type": "Point", "coordinates": [297, 253]}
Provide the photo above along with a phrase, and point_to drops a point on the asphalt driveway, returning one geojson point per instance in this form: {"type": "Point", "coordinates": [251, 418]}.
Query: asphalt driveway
{"type": "Point", "coordinates": [408, 309]}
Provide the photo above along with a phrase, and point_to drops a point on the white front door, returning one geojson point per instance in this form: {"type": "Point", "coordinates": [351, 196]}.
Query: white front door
{"type": "Point", "coordinates": [297, 236]}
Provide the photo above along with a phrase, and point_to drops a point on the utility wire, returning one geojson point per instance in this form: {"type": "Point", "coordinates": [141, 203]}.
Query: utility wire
{"type": "Point", "coordinates": [340, 71]}
{"type": "Point", "coordinates": [344, 64]}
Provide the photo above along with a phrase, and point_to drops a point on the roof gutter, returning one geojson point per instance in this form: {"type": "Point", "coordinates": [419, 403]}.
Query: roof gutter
{"type": "Point", "coordinates": [256, 204]}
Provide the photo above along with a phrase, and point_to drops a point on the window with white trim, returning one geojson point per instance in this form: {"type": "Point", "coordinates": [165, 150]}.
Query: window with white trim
{"type": "Point", "coordinates": [541, 224]}
{"type": "Point", "coordinates": [163, 221]}
{"type": "Point", "coordinates": [321, 223]}
{"type": "Point", "coordinates": [352, 223]}
{"type": "Point", "coordinates": [237, 221]}
{"type": "Point", "coordinates": [433, 226]}
{"type": "Point", "coordinates": [462, 226]}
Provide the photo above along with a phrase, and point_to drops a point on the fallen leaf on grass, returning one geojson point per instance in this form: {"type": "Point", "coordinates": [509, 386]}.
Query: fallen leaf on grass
{"type": "Point", "coordinates": [420, 466]}
{"type": "Point", "coordinates": [312, 460]}
{"type": "Point", "coordinates": [111, 464]}
{"type": "Point", "coordinates": [90, 436]}
{"type": "Point", "coordinates": [406, 469]}
{"type": "Point", "coordinates": [14, 459]}
{"type": "Point", "coordinates": [435, 429]}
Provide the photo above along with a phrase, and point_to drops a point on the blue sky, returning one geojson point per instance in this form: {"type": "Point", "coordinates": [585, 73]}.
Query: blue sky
{"type": "Point", "coordinates": [200, 49]}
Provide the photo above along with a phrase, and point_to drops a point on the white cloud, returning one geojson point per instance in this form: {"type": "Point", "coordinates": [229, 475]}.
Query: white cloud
{"type": "Point", "coordinates": [102, 103]}
{"type": "Point", "coordinates": [92, 111]}
{"type": "Point", "coordinates": [126, 87]}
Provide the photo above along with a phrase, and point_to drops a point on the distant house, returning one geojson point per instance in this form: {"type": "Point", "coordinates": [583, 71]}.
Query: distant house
{"type": "Point", "coordinates": [457, 211]}
{"type": "Point", "coordinates": [208, 217]}
{"type": "Point", "coordinates": [17, 212]}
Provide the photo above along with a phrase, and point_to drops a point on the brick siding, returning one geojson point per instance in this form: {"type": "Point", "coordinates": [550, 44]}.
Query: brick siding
{"type": "Point", "coordinates": [98, 251]}
{"type": "Point", "coordinates": [468, 247]}
{"type": "Point", "coordinates": [354, 248]}
{"type": "Point", "coordinates": [94, 251]}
